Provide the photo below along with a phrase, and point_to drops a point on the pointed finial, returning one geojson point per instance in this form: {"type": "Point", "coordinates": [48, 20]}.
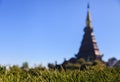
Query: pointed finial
{"type": "Point", "coordinates": [88, 6]}
{"type": "Point", "coordinates": [88, 19]}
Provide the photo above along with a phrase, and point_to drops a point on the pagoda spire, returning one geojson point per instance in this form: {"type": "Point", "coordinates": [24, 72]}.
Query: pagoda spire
{"type": "Point", "coordinates": [88, 19]}
{"type": "Point", "coordinates": [89, 49]}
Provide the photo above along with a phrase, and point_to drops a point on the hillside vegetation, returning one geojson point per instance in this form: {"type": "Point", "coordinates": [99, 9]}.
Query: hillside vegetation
{"type": "Point", "coordinates": [42, 74]}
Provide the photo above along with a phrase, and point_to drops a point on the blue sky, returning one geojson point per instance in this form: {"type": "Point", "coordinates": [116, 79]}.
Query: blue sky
{"type": "Point", "coordinates": [43, 31]}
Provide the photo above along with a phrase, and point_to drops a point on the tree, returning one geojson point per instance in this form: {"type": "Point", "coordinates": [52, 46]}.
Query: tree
{"type": "Point", "coordinates": [15, 69]}
{"type": "Point", "coordinates": [25, 66]}
{"type": "Point", "coordinates": [2, 69]}
{"type": "Point", "coordinates": [51, 66]}
{"type": "Point", "coordinates": [81, 61]}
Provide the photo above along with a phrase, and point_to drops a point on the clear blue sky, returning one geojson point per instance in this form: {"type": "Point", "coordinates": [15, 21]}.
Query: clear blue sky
{"type": "Point", "coordinates": [42, 31]}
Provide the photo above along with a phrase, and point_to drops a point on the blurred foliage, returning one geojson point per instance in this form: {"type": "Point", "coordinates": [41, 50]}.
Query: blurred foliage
{"type": "Point", "coordinates": [80, 72]}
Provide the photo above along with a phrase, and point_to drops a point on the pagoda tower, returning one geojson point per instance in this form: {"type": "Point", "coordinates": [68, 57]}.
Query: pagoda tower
{"type": "Point", "coordinates": [89, 50]}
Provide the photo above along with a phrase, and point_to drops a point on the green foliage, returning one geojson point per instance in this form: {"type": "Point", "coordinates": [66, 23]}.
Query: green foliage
{"type": "Point", "coordinates": [41, 74]}
{"type": "Point", "coordinates": [72, 66]}
{"type": "Point", "coordinates": [2, 70]}
{"type": "Point", "coordinates": [51, 66]}
{"type": "Point", "coordinates": [81, 61]}
{"type": "Point", "coordinates": [25, 66]}
{"type": "Point", "coordinates": [98, 65]}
